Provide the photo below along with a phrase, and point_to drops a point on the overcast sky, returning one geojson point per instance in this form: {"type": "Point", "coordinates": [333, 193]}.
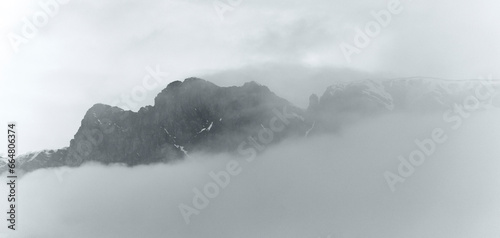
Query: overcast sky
{"type": "Point", "coordinates": [94, 51]}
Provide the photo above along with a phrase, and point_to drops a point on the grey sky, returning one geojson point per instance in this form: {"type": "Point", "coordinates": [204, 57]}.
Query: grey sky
{"type": "Point", "coordinates": [94, 51]}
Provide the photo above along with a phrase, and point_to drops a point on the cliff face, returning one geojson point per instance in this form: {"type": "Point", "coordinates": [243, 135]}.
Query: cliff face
{"type": "Point", "coordinates": [196, 115]}
{"type": "Point", "coordinates": [187, 116]}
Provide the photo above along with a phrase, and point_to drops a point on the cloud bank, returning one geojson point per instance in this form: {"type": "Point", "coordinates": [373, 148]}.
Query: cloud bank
{"type": "Point", "coordinates": [316, 187]}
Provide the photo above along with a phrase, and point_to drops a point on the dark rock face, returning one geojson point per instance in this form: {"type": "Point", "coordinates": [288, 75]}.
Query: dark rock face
{"type": "Point", "coordinates": [196, 115]}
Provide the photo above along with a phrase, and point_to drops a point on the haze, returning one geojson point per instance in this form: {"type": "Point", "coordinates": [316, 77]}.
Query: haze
{"type": "Point", "coordinates": [325, 186]}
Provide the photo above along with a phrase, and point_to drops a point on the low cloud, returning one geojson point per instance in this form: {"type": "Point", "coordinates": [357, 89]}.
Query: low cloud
{"type": "Point", "coordinates": [316, 187]}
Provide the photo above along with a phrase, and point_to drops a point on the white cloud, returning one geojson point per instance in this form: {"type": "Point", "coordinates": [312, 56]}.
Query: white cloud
{"type": "Point", "coordinates": [331, 185]}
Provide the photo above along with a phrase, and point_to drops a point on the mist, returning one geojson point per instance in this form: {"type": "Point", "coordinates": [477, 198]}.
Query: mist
{"type": "Point", "coordinates": [323, 186]}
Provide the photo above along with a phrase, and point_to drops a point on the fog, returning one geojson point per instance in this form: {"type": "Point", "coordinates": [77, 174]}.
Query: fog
{"type": "Point", "coordinates": [97, 51]}
{"type": "Point", "coordinates": [293, 82]}
{"type": "Point", "coordinates": [323, 186]}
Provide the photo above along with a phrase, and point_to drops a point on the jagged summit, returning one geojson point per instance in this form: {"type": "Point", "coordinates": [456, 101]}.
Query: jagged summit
{"type": "Point", "coordinates": [187, 116]}
{"type": "Point", "coordinates": [190, 87]}
{"type": "Point", "coordinates": [191, 82]}
{"type": "Point", "coordinates": [99, 109]}
{"type": "Point", "coordinates": [197, 115]}
{"type": "Point", "coordinates": [253, 84]}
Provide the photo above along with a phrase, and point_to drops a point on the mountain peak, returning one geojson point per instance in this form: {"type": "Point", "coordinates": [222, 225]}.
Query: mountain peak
{"type": "Point", "coordinates": [253, 86]}
{"type": "Point", "coordinates": [187, 84]}
{"type": "Point", "coordinates": [179, 90]}
{"type": "Point", "coordinates": [194, 80]}
{"type": "Point", "coordinates": [188, 81]}
{"type": "Point", "coordinates": [99, 109]}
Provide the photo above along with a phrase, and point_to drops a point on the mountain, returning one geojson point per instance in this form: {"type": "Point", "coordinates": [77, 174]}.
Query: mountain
{"type": "Point", "coordinates": [197, 115]}
{"type": "Point", "coordinates": [343, 103]}
{"type": "Point", "coordinates": [189, 116]}
{"type": "Point", "coordinates": [40, 159]}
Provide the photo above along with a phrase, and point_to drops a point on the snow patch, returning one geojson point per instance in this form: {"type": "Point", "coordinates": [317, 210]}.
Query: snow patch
{"type": "Point", "coordinates": [377, 92]}
{"type": "Point", "coordinates": [310, 129]}
{"type": "Point", "coordinates": [166, 130]}
{"type": "Point", "coordinates": [206, 128]}
{"type": "Point", "coordinates": [182, 149]}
